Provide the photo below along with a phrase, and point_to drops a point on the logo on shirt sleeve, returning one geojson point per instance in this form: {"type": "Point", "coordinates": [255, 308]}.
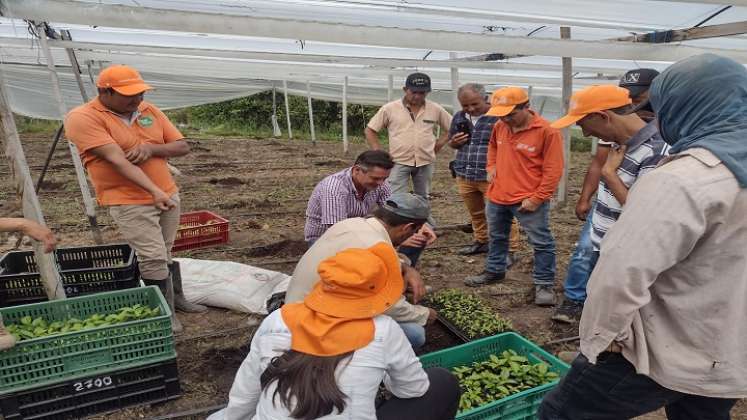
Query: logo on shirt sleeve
{"type": "Point", "coordinates": [145, 121]}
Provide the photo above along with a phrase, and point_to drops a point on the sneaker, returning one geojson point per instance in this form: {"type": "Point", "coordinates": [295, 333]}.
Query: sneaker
{"type": "Point", "coordinates": [544, 296]}
{"type": "Point", "coordinates": [484, 279]}
{"type": "Point", "coordinates": [568, 312]}
{"type": "Point", "coordinates": [474, 249]}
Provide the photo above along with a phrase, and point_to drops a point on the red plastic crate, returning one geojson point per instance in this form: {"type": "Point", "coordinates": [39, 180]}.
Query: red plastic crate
{"type": "Point", "coordinates": [194, 232]}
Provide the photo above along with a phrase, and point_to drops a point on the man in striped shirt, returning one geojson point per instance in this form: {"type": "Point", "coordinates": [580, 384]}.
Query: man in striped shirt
{"type": "Point", "coordinates": [606, 112]}
{"type": "Point", "coordinates": [352, 192]}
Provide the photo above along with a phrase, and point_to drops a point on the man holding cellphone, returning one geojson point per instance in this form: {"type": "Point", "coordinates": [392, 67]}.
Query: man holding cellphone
{"type": "Point", "coordinates": [469, 135]}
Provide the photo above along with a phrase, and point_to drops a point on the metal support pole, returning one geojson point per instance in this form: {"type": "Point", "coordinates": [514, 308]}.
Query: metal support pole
{"type": "Point", "coordinates": [90, 207]}
{"type": "Point", "coordinates": [390, 88]}
{"type": "Point", "coordinates": [311, 113]}
{"type": "Point", "coordinates": [454, 85]}
{"type": "Point", "coordinates": [25, 186]}
{"type": "Point", "coordinates": [287, 109]}
{"type": "Point", "coordinates": [529, 93]}
{"type": "Point", "coordinates": [74, 63]}
{"type": "Point", "coordinates": [345, 115]}
{"type": "Point", "coordinates": [565, 33]}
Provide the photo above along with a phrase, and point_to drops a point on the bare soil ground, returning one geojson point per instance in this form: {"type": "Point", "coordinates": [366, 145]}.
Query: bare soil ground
{"type": "Point", "coordinates": [261, 186]}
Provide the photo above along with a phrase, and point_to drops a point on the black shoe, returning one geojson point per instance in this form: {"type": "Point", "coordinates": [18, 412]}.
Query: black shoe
{"type": "Point", "coordinates": [474, 249]}
{"type": "Point", "coordinates": [568, 312]}
{"type": "Point", "coordinates": [484, 279]}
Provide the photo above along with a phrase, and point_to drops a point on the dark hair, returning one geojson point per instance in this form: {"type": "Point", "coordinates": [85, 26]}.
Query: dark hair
{"type": "Point", "coordinates": [393, 219]}
{"type": "Point", "coordinates": [522, 105]}
{"type": "Point", "coordinates": [108, 90]}
{"type": "Point", "coordinates": [308, 380]}
{"type": "Point", "coordinates": [371, 158]}
{"type": "Point", "coordinates": [623, 110]}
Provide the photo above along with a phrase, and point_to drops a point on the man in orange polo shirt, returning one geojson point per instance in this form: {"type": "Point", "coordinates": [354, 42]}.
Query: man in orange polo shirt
{"type": "Point", "coordinates": [125, 143]}
{"type": "Point", "coordinates": [525, 163]}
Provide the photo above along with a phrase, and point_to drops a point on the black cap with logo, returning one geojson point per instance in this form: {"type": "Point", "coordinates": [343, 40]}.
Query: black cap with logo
{"type": "Point", "coordinates": [418, 82]}
{"type": "Point", "coordinates": [638, 81]}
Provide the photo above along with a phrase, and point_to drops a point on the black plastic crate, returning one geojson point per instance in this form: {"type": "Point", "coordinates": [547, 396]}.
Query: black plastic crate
{"type": "Point", "coordinates": [84, 270]}
{"type": "Point", "coordinates": [103, 393]}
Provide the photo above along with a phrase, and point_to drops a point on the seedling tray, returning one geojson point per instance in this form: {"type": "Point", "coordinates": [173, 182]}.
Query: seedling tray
{"type": "Point", "coordinates": [48, 360]}
{"type": "Point", "coordinates": [194, 232]}
{"type": "Point", "coordinates": [83, 271]}
{"type": "Point", "coordinates": [520, 406]}
{"type": "Point", "coordinates": [452, 329]}
{"type": "Point", "coordinates": [97, 394]}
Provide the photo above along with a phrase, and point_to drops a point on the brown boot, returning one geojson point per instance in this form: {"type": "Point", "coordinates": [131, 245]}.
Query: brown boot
{"type": "Point", "coordinates": [7, 340]}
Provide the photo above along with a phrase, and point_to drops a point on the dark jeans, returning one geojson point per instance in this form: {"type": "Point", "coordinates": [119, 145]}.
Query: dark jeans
{"type": "Point", "coordinates": [411, 252]}
{"type": "Point", "coordinates": [536, 225]}
{"type": "Point", "coordinates": [611, 390]}
{"type": "Point", "coordinates": [440, 402]}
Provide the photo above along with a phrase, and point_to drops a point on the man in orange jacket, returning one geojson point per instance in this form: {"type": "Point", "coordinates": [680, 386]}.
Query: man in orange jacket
{"type": "Point", "coordinates": [525, 163]}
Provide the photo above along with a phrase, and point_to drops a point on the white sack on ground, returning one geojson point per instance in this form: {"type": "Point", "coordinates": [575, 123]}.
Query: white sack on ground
{"type": "Point", "coordinates": [230, 285]}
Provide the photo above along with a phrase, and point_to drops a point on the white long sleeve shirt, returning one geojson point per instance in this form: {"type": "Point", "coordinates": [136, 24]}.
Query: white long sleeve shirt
{"type": "Point", "coordinates": [389, 357]}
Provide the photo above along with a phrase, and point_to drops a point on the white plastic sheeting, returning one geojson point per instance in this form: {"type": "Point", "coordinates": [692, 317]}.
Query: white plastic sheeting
{"type": "Point", "coordinates": [200, 51]}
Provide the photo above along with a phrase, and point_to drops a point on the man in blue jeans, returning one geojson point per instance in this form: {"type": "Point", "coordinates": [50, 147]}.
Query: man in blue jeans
{"type": "Point", "coordinates": [583, 260]}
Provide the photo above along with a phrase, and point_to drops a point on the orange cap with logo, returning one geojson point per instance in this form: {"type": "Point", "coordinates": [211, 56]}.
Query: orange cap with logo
{"type": "Point", "coordinates": [123, 79]}
{"type": "Point", "coordinates": [593, 99]}
{"type": "Point", "coordinates": [504, 100]}
{"type": "Point", "coordinates": [336, 317]}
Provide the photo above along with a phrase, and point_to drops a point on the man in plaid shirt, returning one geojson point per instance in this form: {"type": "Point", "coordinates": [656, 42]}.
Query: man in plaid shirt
{"type": "Point", "coordinates": [470, 135]}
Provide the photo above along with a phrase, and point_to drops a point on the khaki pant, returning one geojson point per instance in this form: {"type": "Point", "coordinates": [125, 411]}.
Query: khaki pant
{"type": "Point", "coordinates": [151, 233]}
{"type": "Point", "coordinates": [473, 195]}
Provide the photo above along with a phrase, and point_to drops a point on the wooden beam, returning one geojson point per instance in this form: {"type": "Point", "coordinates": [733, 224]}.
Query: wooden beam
{"type": "Point", "coordinates": [287, 109]}
{"type": "Point", "coordinates": [25, 187]}
{"type": "Point", "coordinates": [565, 33]}
{"type": "Point", "coordinates": [454, 72]}
{"type": "Point", "coordinates": [689, 34]}
{"type": "Point", "coordinates": [80, 173]}
{"type": "Point", "coordinates": [311, 113]}
{"type": "Point", "coordinates": [345, 115]}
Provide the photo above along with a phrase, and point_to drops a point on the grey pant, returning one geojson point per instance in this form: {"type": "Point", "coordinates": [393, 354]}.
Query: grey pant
{"type": "Point", "coordinates": [399, 179]}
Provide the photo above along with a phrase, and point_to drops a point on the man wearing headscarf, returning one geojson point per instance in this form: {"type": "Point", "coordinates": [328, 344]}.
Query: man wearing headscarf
{"type": "Point", "coordinates": [665, 322]}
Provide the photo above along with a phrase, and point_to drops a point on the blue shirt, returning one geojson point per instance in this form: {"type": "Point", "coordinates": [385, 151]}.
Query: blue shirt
{"type": "Point", "coordinates": [471, 158]}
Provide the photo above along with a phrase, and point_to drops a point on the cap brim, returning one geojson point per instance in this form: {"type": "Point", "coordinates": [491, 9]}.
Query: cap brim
{"type": "Point", "coordinates": [419, 89]}
{"type": "Point", "coordinates": [636, 90]}
{"type": "Point", "coordinates": [566, 121]}
{"type": "Point", "coordinates": [132, 90]}
{"type": "Point", "coordinates": [500, 110]}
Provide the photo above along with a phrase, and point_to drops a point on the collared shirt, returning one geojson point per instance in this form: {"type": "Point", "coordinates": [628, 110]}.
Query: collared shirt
{"type": "Point", "coordinates": [335, 198]}
{"type": "Point", "coordinates": [527, 164]}
{"type": "Point", "coordinates": [412, 138]}
{"type": "Point", "coordinates": [472, 156]}
{"type": "Point", "coordinates": [671, 282]}
{"type": "Point", "coordinates": [388, 358]}
{"type": "Point", "coordinates": [92, 125]}
{"type": "Point", "coordinates": [644, 151]}
{"type": "Point", "coordinates": [356, 232]}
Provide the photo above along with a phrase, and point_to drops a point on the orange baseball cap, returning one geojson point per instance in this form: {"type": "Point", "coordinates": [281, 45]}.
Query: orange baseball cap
{"type": "Point", "coordinates": [593, 99]}
{"type": "Point", "coordinates": [504, 100]}
{"type": "Point", "coordinates": [337, 315]}
{"type": "Point", "coordinates": [123, 79]}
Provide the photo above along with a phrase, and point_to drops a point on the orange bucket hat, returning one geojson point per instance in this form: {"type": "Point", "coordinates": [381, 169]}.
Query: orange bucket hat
{"type": "Point", "coordinates": [123, 79]}
{"type": "Point", "coordinates": [337, 315]}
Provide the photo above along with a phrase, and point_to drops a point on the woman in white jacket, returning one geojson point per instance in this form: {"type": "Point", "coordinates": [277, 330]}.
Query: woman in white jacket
{"type": "Point", "coordinates": [326, 356]}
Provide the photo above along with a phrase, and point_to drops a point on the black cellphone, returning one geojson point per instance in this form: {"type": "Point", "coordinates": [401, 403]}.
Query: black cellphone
{"type": "Point", "coordinates": [464, 127]}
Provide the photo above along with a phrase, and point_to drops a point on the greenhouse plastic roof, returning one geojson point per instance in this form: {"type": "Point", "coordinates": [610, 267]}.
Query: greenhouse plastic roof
{"type": "Point", "coordinates": [205, 51]}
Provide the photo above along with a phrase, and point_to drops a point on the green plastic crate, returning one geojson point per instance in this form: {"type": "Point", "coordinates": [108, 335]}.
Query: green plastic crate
{"type": "Point", "coordinates": [521, 406]}
{"type": "Point", "coordinates": [47, 360]}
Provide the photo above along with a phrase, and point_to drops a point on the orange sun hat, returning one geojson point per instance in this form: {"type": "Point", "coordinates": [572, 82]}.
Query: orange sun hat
{"type": "Point", "coordinates": [504, 100]}
{"type": "Point", "coordinates": [336, 317]}
{"type": "Point", "coordinates": [123, 79]}
{"type": "Point", "coordinates": [593, 99]}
